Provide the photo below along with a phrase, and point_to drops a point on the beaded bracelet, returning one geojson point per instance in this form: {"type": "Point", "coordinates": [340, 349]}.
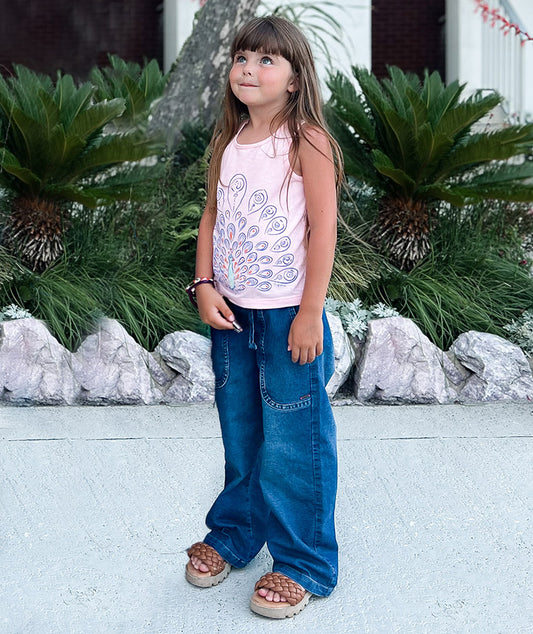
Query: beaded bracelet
{"type": "Point", "coordinates": [191, 288]}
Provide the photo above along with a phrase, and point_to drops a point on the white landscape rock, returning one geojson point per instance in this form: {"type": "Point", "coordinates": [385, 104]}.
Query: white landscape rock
{"type": "Point", "coordinates": [396, 364]}
{"type": "Point", "coordinates": [500, 370]}
{"type": "Point", "coordinates": [113, 368]}
{"type": "Point", "coordinates": [344, 354]}
{"type": "Point", "coordinates": [188, 354]}
{"type": "Point", "coordinates": [399, 364]}
{"type": "Point", "coordinates": [34, 367]}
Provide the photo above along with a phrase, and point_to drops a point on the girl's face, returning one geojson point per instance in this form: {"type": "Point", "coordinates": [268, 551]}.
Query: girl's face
{"type": "Point", "coordinates": [262, 80]}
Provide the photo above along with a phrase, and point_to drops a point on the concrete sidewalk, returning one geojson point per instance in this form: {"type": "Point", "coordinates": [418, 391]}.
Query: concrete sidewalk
{"type": "Point", "coordinates": [98, 506]}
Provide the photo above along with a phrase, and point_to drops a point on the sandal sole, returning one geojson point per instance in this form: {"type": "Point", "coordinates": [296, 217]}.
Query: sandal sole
{"type": "Point", "coordinates": [261, 606]}
{"type": "Point", "coordinates": [205, 579]}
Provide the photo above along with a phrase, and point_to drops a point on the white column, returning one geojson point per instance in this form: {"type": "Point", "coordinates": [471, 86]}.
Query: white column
{"type": "Point", "coordinates": [452, 40]}
{"type": "Point", "coordinates": [463, 43]}
{"type": "Point", "coordinates": [170, 20]}
{"type": "Point", "coordinates": [178, 21]}
{"type": "Point", "coordinates": [527, 95]}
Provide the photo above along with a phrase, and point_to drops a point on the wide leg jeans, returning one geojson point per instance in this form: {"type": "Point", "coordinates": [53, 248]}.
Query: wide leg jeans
{"type": "Point", "coordinates": [280, 449]}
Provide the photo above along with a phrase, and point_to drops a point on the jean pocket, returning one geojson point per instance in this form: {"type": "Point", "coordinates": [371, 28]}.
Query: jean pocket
{"type": "Point", "coordinates": [285, 385]}
{"type": "Point", "coordinates": [220, 357]}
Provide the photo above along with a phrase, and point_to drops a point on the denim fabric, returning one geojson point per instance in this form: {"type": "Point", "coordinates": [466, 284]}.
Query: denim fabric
{"type": "Point", "coordinates": [280, 449]}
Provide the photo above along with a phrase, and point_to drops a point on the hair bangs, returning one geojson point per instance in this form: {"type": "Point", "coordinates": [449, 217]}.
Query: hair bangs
{"type": "Point", "coordinates": [263, 36]}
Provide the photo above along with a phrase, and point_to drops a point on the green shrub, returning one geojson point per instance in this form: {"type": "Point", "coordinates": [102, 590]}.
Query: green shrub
{"type": "Point", "coordinates": [413, 142]}
{"type": "Point", "coordinates": [520, 331]}
{"type": "Point", "coordinates": [56, 149]}
{"type": "Point", "coordinates": [129, 261]}
{"type": "Point", "coordinates": [475, 278]}
{"type": "Point", "coordinates": [357, 264]}
{"type": "Point", "coordinates": [355, 317]}
{"type": "Point", "coordinates": [148, 303]}
{"type": "Point", "coordinates": [11, 312]}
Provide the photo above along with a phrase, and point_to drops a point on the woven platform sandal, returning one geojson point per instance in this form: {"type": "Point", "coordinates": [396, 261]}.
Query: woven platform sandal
{"type": "Point", "coordinates": [218, 568]}
{"type": "Point", "coordinates": [296, 597]}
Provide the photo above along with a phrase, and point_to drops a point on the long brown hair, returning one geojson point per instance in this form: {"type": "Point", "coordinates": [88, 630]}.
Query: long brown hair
{"type": "Point", "coordinates": [273, 35]}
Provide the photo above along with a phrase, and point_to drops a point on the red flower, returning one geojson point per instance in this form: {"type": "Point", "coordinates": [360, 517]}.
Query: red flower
{"type": "Point", "coordinates": [506, 27]}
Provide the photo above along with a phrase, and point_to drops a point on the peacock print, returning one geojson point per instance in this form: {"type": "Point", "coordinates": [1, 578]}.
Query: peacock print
{"type": "Point", "coordinates": [249, 247]}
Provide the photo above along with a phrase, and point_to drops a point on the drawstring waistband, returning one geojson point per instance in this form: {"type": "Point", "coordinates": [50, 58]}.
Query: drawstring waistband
{"type": "Point", "coordinates": [251, 335]}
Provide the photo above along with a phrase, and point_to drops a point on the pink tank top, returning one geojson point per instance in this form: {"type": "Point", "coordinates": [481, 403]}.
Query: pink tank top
{"type": "Point", "coordinates": [259, 239]}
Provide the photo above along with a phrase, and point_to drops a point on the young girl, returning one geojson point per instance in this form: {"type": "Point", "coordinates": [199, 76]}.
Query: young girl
{"type": "Point", "coordinates": [265, 253]}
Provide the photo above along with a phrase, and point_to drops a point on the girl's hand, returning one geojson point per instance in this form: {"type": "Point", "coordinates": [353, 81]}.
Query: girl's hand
{"type": "Point", "coordinates": [213, 308]}
{"type": "Point", "coordinates": [306, 337]}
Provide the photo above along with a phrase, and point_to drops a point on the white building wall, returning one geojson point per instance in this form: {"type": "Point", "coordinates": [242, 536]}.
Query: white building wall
{"type": "Point", "coordinates": [355, 18]}
{"type": "Point", "coordinates": [464, 47]}
{"type": "Point", "coordinates": [481, 56]}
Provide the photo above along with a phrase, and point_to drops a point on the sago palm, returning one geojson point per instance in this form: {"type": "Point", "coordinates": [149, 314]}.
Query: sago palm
{"type": "Point", "coordinates": [53, 150]}
{"type": "Point", "coordinates": [138, 86]}
{"type": "Point", "coordinates": [413, 142]}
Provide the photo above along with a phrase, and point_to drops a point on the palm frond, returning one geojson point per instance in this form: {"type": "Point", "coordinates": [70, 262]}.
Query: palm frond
{"type": "Point", "coordinates": [432, 149]}
{"type": "Point", "coordinates": [356, 149]}
{"type": "Point", "coordinates": [459, 119]}
{"type": "Point", "coordinates": [439, 98]}
{"type": "Point", "coordinates": [10, 164]}
{"type": "Point", "coordinates": [488, 146]}
{"type": "Point", "coordinates": [113, 149]}
{"type": "Point", "coordinates": [96, 116]}
{"type": "Point", "coordinates": [71, 99]}
{"type": "Point", "coordinates": [138, 87]}
{"type": "Point", "coordinates": [23, 87]}
{"type": "Point", "coordinates": [418, 111]}
{"type": "Point", "coordinates": [498, 191]}
{"type": "Point", "coordinates": [349, 107]}
{"type": "Point", "coordinates": [385, 166]}
{"type": "Point", "coordinates": [398, 87]}
{"type": "Point", "coordinates": [504, 173]}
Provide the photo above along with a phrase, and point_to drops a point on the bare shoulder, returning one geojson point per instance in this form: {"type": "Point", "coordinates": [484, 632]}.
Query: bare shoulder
{"type": "Point", "coordinates": [314, 139]}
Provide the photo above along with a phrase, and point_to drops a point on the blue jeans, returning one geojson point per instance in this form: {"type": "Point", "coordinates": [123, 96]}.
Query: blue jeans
{"type": "Point", "coordinates": [280, 449]}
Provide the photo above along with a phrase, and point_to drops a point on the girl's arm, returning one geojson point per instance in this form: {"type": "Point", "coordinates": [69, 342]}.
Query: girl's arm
{"type": "Point", "coordinates": [211, 305]}
{"type": "Point", "coordinates": [316, 165]}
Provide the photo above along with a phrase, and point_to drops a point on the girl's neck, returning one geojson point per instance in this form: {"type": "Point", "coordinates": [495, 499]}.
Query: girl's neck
{"type": "Point", "coordinates": [256, 129]}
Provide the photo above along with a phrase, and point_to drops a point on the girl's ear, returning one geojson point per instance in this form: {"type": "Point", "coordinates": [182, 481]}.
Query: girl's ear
{"type": "Point", "coordinates": [294, 86]}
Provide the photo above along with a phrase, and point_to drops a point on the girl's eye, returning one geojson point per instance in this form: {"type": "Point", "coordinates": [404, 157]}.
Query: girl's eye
{"type": "Point", "coordinates": [240, 59]}
{"type": "Point", "coordinates": [266, 60]}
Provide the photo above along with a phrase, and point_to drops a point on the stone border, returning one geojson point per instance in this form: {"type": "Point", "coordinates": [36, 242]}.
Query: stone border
{"type": "Point", "coordinates": [396, 364]}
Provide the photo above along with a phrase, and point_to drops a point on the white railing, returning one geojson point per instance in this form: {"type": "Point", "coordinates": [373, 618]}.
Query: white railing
{"type": "Point", "coordinates": [502, 58]}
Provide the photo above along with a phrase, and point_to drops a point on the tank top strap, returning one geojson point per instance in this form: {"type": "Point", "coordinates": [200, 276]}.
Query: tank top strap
{"type": "Point", "coordinates": [241, 127]}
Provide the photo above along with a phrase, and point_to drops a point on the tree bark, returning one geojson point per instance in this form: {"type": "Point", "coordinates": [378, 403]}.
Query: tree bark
{"type": "Point", "coordinates": [197, 80]}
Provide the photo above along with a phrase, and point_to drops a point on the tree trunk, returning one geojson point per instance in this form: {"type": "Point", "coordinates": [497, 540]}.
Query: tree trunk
{"type": "Point", "coordinates": [197, 80]}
